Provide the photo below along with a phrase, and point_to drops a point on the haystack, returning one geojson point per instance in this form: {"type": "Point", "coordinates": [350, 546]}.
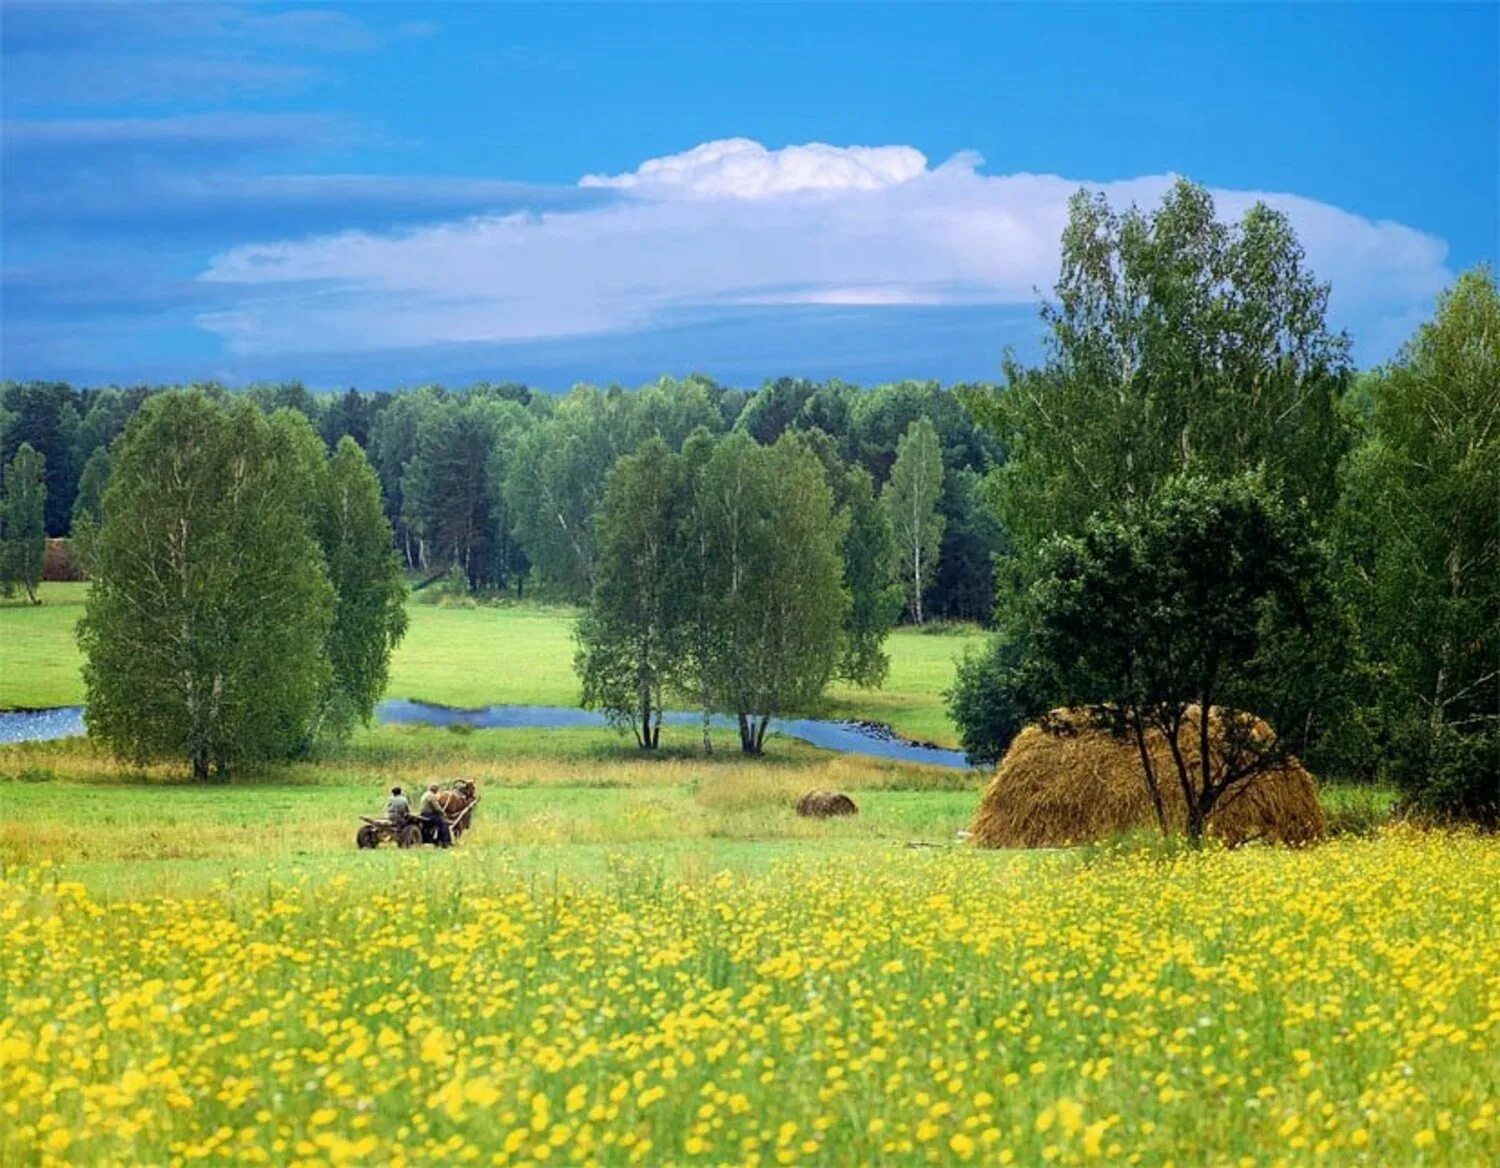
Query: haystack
{"type": "Point", "coordinates": [822, 804]}
{"type": "Point", "coordinates": [1066, 782]}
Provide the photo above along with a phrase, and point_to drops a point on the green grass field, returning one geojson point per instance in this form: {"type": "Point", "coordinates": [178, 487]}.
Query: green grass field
{"type": "Point", "coordinates": [653, 960]}
{"type": "Point", "coordinates": [477, 656]}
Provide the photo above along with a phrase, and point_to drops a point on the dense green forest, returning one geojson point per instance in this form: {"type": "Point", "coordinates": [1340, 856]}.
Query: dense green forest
{"type": "Point", "coordinates": [501, 482]}
{"type": "Point", "coordinates": [739, 549]}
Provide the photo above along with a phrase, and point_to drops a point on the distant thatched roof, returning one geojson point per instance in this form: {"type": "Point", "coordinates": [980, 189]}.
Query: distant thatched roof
{"type": "Point", "coordinates": [1070, 783]}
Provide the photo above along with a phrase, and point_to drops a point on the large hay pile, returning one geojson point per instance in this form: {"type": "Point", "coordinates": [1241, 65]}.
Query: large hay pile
{"type": "Point", "coordinates": [1065, 782]}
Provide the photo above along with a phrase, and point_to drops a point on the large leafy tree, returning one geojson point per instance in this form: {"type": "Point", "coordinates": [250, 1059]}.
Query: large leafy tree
{"type": "Point", "coordinates": [631, 637]}
{"type": "Point", "coordinates": [1176, 344]}
{"type": "Point", "coordinates": [23, 532]}
{"type": "Point", "coordinates": [774, 574]}
{"type": "Point", "coordinates": [1419, 531]}
{"type": "Point", "coordinates": [911, 500]}
{"type": "Point", "coordinates": [206, 623]}
{"type": "Point", "coordinates": [369, 617]}
{"type": "Point", "coordinates": [1202, 601]}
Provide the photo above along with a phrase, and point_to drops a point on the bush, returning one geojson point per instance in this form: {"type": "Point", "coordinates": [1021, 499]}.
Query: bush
{"type": "Point", "coordinates": [1448, 774]}
{"type": "Point", "coordinates": [985, 702]}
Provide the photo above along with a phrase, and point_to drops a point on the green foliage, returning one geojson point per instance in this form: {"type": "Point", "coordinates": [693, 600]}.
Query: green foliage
{"type": "Point", "coordinates": [773, 582]}
{"type": "Point", "coordinates": [631, 638]}
{"type": "Point", "coordinates": [1420, 546]}
{"type": "Point", "coordinates": [874, 598]}
{"type": "Point", "coordinates": [911, 499]}
{"type": "Point", "coordinates": [44, 416]}
{"type": "Point", "coordinates": [1176, 345]}
{"type": "Point", "coordinates": [369, 616]}
{"type": "Point", "coordinates": [450, 486]}
{"type": "Point", "coordinates": [205, 625]}
{"type": "Point", "coordinates": [554, 486]}
{"type": "Point", "coordinates": [963, 586]}
{"type": "Point", "coordinates": [88, 507]}
{"type": "Point", "coordinates": [987, 700]}
{"type": "Point", "coordinates": [1202, 600]}
{"type": "Point", "coordinates": [23, 533]}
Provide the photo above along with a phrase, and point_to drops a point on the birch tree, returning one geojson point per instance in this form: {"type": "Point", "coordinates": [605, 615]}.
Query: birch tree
{"type": "Point", "coordinates": [205, 626]}
{"type": "Point", "coordinates": [911, 499]}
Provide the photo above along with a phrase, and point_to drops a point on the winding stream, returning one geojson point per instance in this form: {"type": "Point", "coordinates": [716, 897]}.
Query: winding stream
{"type": "Point", "coordinates": [844, 737]}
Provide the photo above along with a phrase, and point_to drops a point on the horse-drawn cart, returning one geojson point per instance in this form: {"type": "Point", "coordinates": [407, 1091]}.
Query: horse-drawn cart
{"type": "Point", "coordinates": [458, 806]}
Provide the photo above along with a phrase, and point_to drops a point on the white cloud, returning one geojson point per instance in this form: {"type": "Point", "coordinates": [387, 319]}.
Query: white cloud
{"type": "Point", "coordinates": [731, 224]}
{"type": "Point", "coordinates": [744, 169]}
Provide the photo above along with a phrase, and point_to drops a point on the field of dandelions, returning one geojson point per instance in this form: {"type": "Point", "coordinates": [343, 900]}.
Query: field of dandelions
{"type": "Point", "coordinates": [1335, 1005]}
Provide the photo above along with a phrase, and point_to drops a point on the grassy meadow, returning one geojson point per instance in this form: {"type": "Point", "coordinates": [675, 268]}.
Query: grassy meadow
{"type": "Point", "coordinates": [479, 655]}
{"type": "Point", "coordinates": [654, 961]}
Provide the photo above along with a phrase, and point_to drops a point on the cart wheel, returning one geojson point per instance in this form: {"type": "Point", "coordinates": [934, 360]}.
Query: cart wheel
{"type": "Point", "coordinates": [410, 836]}
{"type": "Point", "coordinates": [368, 837]}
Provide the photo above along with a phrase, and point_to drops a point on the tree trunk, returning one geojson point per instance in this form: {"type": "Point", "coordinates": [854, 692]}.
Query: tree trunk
{"type": "Point", "coordinates": [747, 735]}
{"type": "Point", "coordinates": [650, 733]}
{"type": "Point", "coordinates": [200, 765]}
{"type": "Point", "coordinates": [1152, 786]}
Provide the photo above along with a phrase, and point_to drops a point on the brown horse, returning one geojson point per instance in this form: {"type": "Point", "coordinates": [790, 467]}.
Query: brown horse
{"type": "Point", "coordinates": [458, 805]}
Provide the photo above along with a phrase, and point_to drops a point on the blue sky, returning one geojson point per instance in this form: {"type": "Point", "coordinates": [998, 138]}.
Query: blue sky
{"type": "Point", "coordinates": [384, 194]}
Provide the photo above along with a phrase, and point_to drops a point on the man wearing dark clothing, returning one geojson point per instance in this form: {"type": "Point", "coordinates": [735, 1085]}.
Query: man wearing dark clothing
{"type": "Point", "coordinates": [432, 812]}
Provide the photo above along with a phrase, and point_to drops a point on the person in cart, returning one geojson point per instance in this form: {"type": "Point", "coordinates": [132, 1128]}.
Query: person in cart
{"type": "Point", "coordinates": [397, 809]}
{"type": "Point", "coordinates": [431, 811]}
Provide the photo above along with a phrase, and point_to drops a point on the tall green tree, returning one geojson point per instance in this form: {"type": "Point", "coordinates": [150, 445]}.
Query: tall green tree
{"type": "Point", "coordinates": [393, 445]}
{"type": "Point", "coordinates": [206, 622]}
{"type": "Point", "coordinates": [911, 500]}
{"type": "Point", "coordinates": [775, 578]}
{"type": "Point", "coordinates": [88, 507]}
{"type": "Point", "coordinates": [698, 602]}
{"type": "Point", "coordinates": [23, 523]}
{"type": "Point", "coordinates": [1176, 344]}
{"type": "Point", "coordinates": [554, 485]}
{"type": "Point", "coordinates": [869, 550]}
{"type": "Point", "coordinates": [1419, 533]}
{"type": "Point", "coordinates": [369, 617]}
{"type": "Point", "coordinates": [448, 494]}
{"type": "Point", "coordinates": [631, 636]}
{"type": "Point", "coordinates": [44, 416]}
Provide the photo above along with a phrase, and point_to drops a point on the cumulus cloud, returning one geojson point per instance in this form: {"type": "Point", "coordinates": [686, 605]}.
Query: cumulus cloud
{"type": "Point", "coordinates": [744, 169]}
{"type": "Point", "coordinates": [731, 224]}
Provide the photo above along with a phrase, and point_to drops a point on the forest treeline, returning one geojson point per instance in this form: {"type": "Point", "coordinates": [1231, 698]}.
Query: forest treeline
{"type": "Point", "coordinates": [500, 483]}
{"type": "Point", "coordinates": [1193, 501]}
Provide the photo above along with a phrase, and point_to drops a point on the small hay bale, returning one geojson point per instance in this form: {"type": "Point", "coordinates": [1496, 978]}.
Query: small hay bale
{"type": "Point", "coordinates": [822, 804]}
{"type": "Point", "coordinates": [1066, 782]}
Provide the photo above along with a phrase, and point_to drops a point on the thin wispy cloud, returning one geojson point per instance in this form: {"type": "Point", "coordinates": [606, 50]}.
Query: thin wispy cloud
{"type": "Point", "coordinates": [732, 224]}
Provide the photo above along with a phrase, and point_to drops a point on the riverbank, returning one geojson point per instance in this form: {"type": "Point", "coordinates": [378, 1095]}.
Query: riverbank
{"type": "Point", "coordinates": [479, 656]}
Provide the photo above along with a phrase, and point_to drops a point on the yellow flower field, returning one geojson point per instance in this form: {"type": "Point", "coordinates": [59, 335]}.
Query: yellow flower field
{"type": "Point", "coordinates": [1336, 1005]}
